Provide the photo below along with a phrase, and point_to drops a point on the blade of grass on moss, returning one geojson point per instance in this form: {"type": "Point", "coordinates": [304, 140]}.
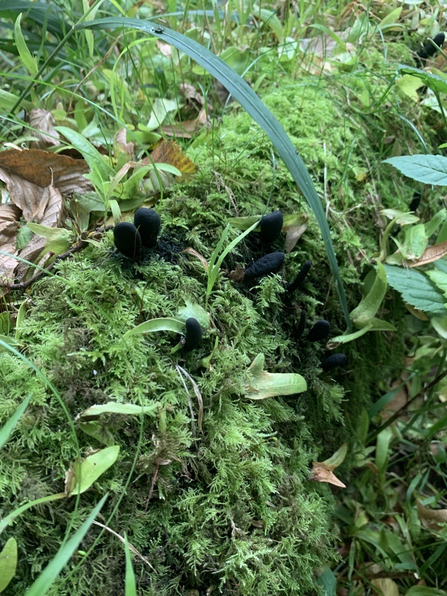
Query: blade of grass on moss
{"type": "Point", "coordinates": [248, 99]}
{"type": "Point", "coordinates": [7, 429]}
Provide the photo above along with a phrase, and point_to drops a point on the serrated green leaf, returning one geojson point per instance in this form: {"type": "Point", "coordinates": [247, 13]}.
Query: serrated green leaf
{"type": "Point", "coordinates": [8, 563]}
{"type": "Point", "coordinates": [154, 325]}
{"type": "Point", "coordinates": [416, 289]}
{"type": "Point", "coordinates": [368, 307]}
{"type": "Point", "coordinates": [93, 467]}
{"type": "Point", "coordinates": [264, 384]}
{"type": "Point", "coordinates": [429, 169]}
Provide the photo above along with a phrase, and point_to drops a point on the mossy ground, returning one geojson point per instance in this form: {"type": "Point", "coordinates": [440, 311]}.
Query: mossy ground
{"type": "Point", "coordinates": [232, 509]}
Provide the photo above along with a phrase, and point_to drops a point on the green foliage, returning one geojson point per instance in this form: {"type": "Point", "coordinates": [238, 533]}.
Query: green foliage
{"type": "Point", "coordinates": [416, 289]}
{"type": "Point", "coordinates": [429, 169]}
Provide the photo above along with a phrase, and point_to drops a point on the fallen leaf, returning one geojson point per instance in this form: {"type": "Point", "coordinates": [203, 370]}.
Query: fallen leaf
{"type": "Point", "coordinates": [190, 92]}
{"type": "Point", "coordinates": [42, 168]}
{"type": "Point", "coordinates": [201, 258]}
{"type": "Point", "coordinates": [431, 254]}
{"type": "Point", "coordinates": [187, 128]}
{"type": "Point", "coordinates": [42, 122]}
{"type": "Point", "coordinates": [170, 153]}
{"type": "Point", "coordinates": [9, 225]}
{"type": "Point", "coordinates": [434, 519]}
{"type": "Point", "coordinates": [323, 473]}
{"type": "Point", "coordinates": [121, 143]}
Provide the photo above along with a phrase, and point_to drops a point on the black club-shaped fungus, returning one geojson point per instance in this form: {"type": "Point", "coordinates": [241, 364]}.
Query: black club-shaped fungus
{"type": "Point", "coordinates": [430, 48]}
{"type": "Point", "coordinates": [127, 239]}
{"type": "Point", "coordinates": [148, 223]}
{"type": "Point", "coordinates": [299, 279]}
{"type": "Point", "coordinates": [319, 331]}
{"type": "Point", "coordinates": [193, 335]}
{"type": "Point", "coordinates": [271, 226]}
{"type": "Point", "coordinates": [267, 264]}
{"type": "Point", "coordinates": [301, 324]}
{"type": "Point", "coordinates": [333, 361]}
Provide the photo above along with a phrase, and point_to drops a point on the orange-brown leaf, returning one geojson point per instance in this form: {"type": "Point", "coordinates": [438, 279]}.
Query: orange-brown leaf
{"type": "Point", "coordinates": [431, 254]}
{"type": "Point", "coordinates": [323, 473]}
{"type": "Point", "coordinates": [169, 152]}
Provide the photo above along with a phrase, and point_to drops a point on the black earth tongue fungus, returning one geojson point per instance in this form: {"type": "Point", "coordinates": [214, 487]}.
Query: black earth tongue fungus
{"type": "Point", "coordinates": [127, 239]}
{"type": "Point", "coordinates": [430, 48]}
{"type": "Point", "coordinates": [301, 325]}
{"type": "Point", "coordinates": [267, 264]}
{"type": "Point", "coordinates": [319, 331]}
{"type": "Point", "coordinates": [415, 201]}
{"type": "Point", "coordinates": [271, 226]}
{"type": "Point", "coordinates": [299, 279]}
{"type": "Point", "coordinates": [333, 361]}
{"type": "Point", "coordinates": [148, 223]}
{"type": "Point", "coordinates": [193, 335]}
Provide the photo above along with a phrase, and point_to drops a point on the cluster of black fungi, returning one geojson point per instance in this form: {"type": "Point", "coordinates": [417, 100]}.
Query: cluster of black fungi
{"type": "Point", "coordinates": [130, 238]}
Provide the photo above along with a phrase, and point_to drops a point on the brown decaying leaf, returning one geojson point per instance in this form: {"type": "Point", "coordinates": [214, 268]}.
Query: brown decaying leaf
{"type": "Point", "coordinates": [187, 128]}
{"type": "Point", "coordinates": [431, 254]}
{"type": "Point", "coordinates": [293, 234]}
{"type": "Point", "coordinates": [433, 519]}
{"type": "Point", "coordinates": [190, 92]}
{"type": "Point", "coordinates": [323, 473]}
{"type": "Point", "coordinates": [201, 258]}
{"type": "Point", "coordinates": [44, 168]}
{"type": "Point", "coordinates": [9, 217]}
{"type": "Point", "coordinates": [42, 122]}
{"type": "Point", "coordinates": [170, 153]}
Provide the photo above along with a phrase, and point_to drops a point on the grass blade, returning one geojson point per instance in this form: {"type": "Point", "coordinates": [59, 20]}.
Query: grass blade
{"type": "Point", "coordinates": [130, 585]}
{"type": "Point", "coordinates": [7, 429]}
{"type": "Point", "coordinates": [243, 93]}
{"type": "Point", "coordinates": [52, 570]}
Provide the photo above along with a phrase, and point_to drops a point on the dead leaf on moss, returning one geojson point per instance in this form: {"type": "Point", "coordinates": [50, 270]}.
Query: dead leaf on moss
{"type": "Point", "coordinates": [434, 519]}
{"type": "Point", "coordinates": [9, 225]}
{"type": "Point", "coordinates": [190, 92]}
{"type": "Point", "coordinates": [42, 168]}
{"type": "Point", "coordinates": [294, 226]}
{"type": "Point", "coordinates": [42, 122]}
{"type": "Point", "coordinates": [187, 128]}
{"type": "Point", "coordinates": [122, 145]}
{"type": "Point", "coordinates": [169, 152]}
{"type": "Point", "coordinates": [430, 255]}
{"type": "Point", "coordinates": [324, 471]}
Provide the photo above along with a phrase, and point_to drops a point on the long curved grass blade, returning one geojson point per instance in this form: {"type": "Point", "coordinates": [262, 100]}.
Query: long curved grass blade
{"type": "Point", "coordinates": [7, 429]}
{"type": "Point", "coordinates": [52, 570]}
{"type": "Point", "coordinates": [248, 99]}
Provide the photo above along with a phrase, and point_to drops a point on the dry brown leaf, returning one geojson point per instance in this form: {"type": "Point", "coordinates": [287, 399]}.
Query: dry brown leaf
{"type": "Point", "coordinates": [201, 258]}
{"type": "Point", "coordinates": [431, 518]}
{"type": "Point", "coordinates": [431, 254]}
{"type": "Point", "coordinates": [386, 586]}
{"type": "Point", "coordinates": [190, 92]}
{"type": "Point", "coordinates": [169, 152]}
{"type": "Point", "coordinates": [9, 225]}
{"type": "Point", "coordinates": [323, 473]}
{"type": "Point", "coordinates": [44, 168]}
{"type": "Point", "coordinates": [293, 234]}
{"type": "Point", "coordinates": [42, 122]}
{"type": "Point", "coordinates": [187, 128]}
{"type": "Point", "coordinates": [122, 144]}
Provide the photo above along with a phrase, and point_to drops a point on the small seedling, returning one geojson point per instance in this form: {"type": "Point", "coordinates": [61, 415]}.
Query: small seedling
{"type": "Point", "coordinates": [267, 264]}
{"type": "Point", "coordinates": [299, 279]}
{"type": "Point", "coordinates": [148, 223]}
{"type": "Point", "coordinates": [271, 226]}
{"type": "Point", "coordinates": [333, 361]}
{"type": "Point", "coordinates": [319, 331]}
{"type": "Point", "coordinates": [127, 239]}
{"type": "Point", "coordinates": [193, 335]}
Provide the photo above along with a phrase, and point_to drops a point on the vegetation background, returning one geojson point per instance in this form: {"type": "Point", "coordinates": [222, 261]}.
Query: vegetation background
{"type": "Point", "coordinates": [247, 466]}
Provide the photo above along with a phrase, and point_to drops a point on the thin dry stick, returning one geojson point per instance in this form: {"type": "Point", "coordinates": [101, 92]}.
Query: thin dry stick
{"type": "Point", "coordinates": [131, 547]}
{"type": "Point", "coordinates": [198, 395]}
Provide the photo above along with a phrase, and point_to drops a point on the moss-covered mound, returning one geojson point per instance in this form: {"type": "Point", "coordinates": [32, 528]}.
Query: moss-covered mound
{"type": "Point", "coordinates": [215, 497]}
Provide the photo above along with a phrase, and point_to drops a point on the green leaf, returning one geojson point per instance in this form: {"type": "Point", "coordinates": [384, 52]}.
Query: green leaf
{"type": "Point", "coordinates": [435, 83]}
{"type": "Point", "coordinates": [415, 242]}
{"type": "Point", "coordinates": [430, 169]}
{"type": "Point", "coordinates": [42, 584]}
{"type": "Point", "coordinates": [338, 458]}
{"type": "Point", "coordinates": [391, 18]}
{"type": "Point", "coordinates": [270, 18]}
{"type": "Point", "coordinates": [402, 218]}
{"type": "Point", "coordinates": [264, 384]}
{"type": "Point", "coordinates": [439, 278]}
{"type": "Point", "coordinates": [8, 563]}
{"type": "Point", "coordinates": [7, 429]}
{"type": "Point", "coordinates": [4, 523]}
{"type": "Point", "coordinates": [196, 311]}
{"type": "Point", "coordinates": [93, 467]}
{"type": "Point", "coordinates": [154, 325]}
{"type": "Point", "coordinates": [368, 307]}
{"type": "Point", "coordinates": [416, 289]}
{"type": "Point", "coordinates": [243, 93]}
{"type": "Point", "coordinates": [58, 239]}
{"type": "Point", "coordinates": [27, 59]}
{"type": "Point", "coordinates": [425, 591]}
{"type": "Point", "coordinates": [409, 85]}
{"type": "Point", "coordinates": [9, 100]}
{"type": "Point", "coordinates": [242, 223]}
{"type": "Point", "coordinates": [130, 585]}
{"type": "Point", "coordinates": [435, 222]}
{"type": "Point", "coordinates": [113, 407]}
{"type": "Point", "coordinates": [328, 582]}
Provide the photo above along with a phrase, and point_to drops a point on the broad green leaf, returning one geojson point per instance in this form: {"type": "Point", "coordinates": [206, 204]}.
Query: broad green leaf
{"type": "Point", "coordinates": [368, 307]}
{"type": "Point", "coordinates": [338, 458]}
{"type": "Point", "coordinates": [160, 110]}
{"type": "Point", "coordinates": [439, 278]}
{"type": "Point", "coordinates": [91, 155]}
{"type": "Point", "coordinates": [440, 326]}
{"type": "Point", "coordinates": [113, 407]}
{"type": "Point", "coordinates": [425, 591]}
{"type": "Point", "coordinates": [243, 93]}
{"type": "Point", "coordinates": [264, 384]}
{"type": "Point", "coordinates": [93, 467]}
{"type": "Point", "coordinates": [8, 563]}
{"type": "Point", "coordinates": [194, 310]}
{"type": "Point", "coordinates": [416, 289]}
{"type": "Point", "coordinates": [328, 582]}
{"type": "Point", "coordinates": [236, 58]}
{"type": "Point", "coordinates": [9, 100]}
{"type": "Point", "coordinates": [100, 432]}
{"type": "Point", "coordinates": [409, 85]}
{"type": "Point", "coordinates": [402, 218]}
{"type": "Point", "coordinates": [429, 169]}
{"type": "Point", "coordinates": [27, 59]}
{"type": "Point", "coordinates": [432, 81]}
{"type": "Point", "coordinates": [7, 428]}
{"type": "Point", "coordinates": [435, 222]}
{"type": "Point", "coordinates": [383, 442]}
{"type": "Point", "coordinates": [154, 325]}
{"type": "Point", "coordinates": [344, 339]}
{"type": "Point", "coordinates": [415, 242]}
{"type": "Point", "coordinates": [130, 585]}
{"type": "Point", "coordinates": [42, 584]}
{"type": "Point", "coordinates": [391, 18]}
{"type": "Point", "coordinates": [20, 318]}
{"type": "Point", "coordinates": [58, 239]}
{"type": "Point", "coordinates": [270, 18]}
